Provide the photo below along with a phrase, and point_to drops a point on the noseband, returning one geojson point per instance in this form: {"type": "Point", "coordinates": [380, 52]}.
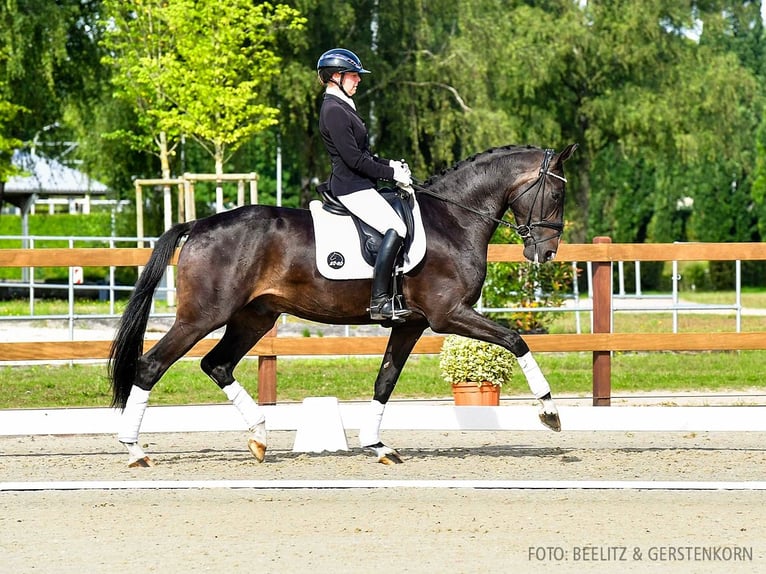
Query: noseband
{"type": "Point", "coordinates": [524, 230]}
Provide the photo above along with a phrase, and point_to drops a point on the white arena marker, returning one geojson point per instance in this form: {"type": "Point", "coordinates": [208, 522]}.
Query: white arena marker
{"type": "Point", "coordinates": [367, 484]}
{"type": "Point", "coordinates": [320, 427]}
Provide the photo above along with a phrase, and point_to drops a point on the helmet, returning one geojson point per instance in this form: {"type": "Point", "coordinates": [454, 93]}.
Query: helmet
{"type": "Point", "coordinates": [339, 60]}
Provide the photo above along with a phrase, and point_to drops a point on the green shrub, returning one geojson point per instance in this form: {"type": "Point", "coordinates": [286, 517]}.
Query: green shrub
{"type": "Point", "coordinates": [464, 360]}
{"type": "Point", "coordinates": [695, 277]}
{"type": "Point", "coordinates": [525, 285]}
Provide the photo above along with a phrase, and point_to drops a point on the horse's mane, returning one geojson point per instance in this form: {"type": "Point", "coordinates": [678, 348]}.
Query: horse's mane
{"type": "Point", "coordinates": [472, 159]}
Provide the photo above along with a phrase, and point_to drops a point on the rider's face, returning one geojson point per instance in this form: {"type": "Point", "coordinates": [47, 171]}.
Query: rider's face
{"type": "Point", "coordinates": [350, 81]}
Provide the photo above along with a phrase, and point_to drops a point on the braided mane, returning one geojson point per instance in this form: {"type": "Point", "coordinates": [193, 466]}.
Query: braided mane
{"type": "Point", "coordinates": [463, 162]}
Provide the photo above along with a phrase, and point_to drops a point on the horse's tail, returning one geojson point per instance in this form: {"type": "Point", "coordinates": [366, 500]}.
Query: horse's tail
{"type": "Point", "coordinates": [128, 344]}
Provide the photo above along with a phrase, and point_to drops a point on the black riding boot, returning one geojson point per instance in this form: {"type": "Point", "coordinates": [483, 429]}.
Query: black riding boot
{"type": "Point", "coordinates": [382, 304]}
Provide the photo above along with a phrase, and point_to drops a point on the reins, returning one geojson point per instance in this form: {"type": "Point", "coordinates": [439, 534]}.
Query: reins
{"type": "Point", "coordinates": [524, 230]}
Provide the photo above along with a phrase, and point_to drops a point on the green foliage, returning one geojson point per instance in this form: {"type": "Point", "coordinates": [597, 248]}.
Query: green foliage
{"type": "Point", "coordinates": [464, 360]}
{"type": "Point", "coordinates": [665, 96]}
{"type": "Point", "coordinates": [63, 225]}
{"type": "Point", "coordinates": [758, 188]}
{"type": "Point", "coordinates": [525, 285]}
{"type": "Point", "coordinates": [695, 276]}
{"type": "Point", "coordinates": [528, 286]}
{"type": "Point", "coordinates": [8, 112]}
{"type": "Point", "coordinates": [202, 69]}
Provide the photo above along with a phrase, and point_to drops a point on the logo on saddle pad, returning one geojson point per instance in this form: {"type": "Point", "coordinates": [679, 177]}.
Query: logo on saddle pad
{"type": "Point", "coordinates": [336, 260]}
{"type": "Point", "coordinates": [339, 252]}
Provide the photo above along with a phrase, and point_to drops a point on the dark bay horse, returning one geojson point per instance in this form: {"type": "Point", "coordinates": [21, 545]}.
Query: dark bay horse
{"type": "Point", "coordinates": [243, 268]}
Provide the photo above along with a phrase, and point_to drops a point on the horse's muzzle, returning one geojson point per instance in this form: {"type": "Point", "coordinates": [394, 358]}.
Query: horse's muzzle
{"type": "Point", "coordinates": [550, 255]}
{"type": "Point", "coordinates": [539, 253]}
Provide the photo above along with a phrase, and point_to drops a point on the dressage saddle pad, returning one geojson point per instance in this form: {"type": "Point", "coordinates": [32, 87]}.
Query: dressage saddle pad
{"type": "Point", "coordinates": [338, 248]}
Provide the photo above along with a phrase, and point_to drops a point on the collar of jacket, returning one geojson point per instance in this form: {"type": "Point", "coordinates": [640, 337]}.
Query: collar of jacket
{"type": "Point", "coordinates": [334, 90]}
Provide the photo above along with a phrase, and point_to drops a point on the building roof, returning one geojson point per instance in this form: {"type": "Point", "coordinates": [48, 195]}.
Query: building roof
{"type": "Point", "coordinates": [47, 177]}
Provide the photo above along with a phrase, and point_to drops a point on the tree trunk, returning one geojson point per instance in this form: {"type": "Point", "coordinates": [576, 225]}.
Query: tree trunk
{"type": "Point", "coordinates": [218, 183]}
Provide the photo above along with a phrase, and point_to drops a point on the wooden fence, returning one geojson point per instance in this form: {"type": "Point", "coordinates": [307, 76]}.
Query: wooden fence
{"type": "Point", "coordinates": [601, 342]}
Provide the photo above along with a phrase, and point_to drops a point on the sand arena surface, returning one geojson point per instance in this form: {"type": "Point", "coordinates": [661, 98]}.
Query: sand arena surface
{"type": "Point", "coordinates": [385, 529]}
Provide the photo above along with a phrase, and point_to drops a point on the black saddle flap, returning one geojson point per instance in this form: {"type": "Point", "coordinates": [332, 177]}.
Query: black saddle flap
{"type": "Point", "coordinates": [329, 201]}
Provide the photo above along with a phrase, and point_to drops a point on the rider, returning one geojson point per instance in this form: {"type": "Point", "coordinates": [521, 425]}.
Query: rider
{"type": "Point", "coordinates": [355, 172]}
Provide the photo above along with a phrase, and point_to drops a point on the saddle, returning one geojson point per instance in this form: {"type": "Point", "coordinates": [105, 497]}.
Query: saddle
{"type": "Point", "coordinates": [369, 237]}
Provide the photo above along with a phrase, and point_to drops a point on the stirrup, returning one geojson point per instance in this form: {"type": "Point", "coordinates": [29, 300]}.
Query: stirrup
{"type": "Point", "coordinates": [385, 309]}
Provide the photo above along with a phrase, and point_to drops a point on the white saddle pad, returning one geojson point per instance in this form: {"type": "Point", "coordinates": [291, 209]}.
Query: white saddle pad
{"type": "Point", "coordinates": [338, 250]}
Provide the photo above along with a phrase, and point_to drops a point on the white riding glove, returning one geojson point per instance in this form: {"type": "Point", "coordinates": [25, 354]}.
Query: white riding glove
{"type": "Point", "coordinates": [402, 175]}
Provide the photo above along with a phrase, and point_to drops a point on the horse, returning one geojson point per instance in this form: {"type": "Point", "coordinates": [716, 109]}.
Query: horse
{"type": "Point", "coordinates": [241, 269]}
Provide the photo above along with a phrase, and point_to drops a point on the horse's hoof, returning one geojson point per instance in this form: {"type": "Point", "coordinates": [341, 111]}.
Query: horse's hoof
{"type": "Point", "coordinates": [144, 462]}
{"type": "Point", "coordinates": [258, 449]}
{"type": "Point", "coordinates": [390, 458]}
{"type": "Point", "coordinates": [551, 420]}
{"type": "Point", "coordinates": [385, 454]}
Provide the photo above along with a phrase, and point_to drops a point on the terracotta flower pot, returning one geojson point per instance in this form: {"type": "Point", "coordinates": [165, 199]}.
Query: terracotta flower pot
{"type": "Point", "coordinates": [473, 394]}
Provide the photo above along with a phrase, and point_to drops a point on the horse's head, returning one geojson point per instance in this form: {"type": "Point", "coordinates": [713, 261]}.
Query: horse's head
{"type": "Point", "coordinates": [537, 202]}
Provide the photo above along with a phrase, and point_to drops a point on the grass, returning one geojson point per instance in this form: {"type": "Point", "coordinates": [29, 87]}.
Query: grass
{"type": "Point", "coordinates": [350, 378]}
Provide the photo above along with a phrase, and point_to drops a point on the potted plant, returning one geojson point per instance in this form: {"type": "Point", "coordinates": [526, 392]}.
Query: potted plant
{"type": "Point", "coordinates": [475, 369]}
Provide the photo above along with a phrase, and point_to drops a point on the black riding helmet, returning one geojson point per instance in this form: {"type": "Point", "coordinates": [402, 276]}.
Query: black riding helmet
{"type": "Point", "coordinates": [338, 60]}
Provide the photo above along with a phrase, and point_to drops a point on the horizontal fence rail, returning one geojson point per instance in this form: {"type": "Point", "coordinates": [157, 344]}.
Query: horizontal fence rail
{"type": "Point", "coordinates": [602, 253]}
{"type": "Point", "coordinates": [428, 345]}
{"type": "Point", "coordinates": [606, 252]}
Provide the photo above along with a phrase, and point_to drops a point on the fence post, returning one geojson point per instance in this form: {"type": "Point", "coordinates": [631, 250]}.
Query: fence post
{"type": "Point", "coordinates": [267, 375]}
{"type": "Point", "coordinates": [602, 323]}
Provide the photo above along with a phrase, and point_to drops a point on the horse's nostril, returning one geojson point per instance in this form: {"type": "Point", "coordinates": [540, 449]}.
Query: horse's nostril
{"type": "Point", "coordinates": [550, 255]}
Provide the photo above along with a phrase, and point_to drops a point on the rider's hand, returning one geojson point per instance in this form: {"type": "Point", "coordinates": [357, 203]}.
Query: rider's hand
{"type": "Point", "coordinates": [402, 175]}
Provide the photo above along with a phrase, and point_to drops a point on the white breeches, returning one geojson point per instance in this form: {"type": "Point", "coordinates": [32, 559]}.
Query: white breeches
{"type": "Point", "coordinates": [369, 206]}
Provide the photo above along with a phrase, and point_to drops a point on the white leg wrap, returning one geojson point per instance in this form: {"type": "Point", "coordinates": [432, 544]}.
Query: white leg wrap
{"type": "Point", "coordinates": [135, 452]}
{"type": "Point", "coordinates": [369, 432]}
{"type": "Point", "coordinates": [535, 378]}
{"type": "Point", "coordinates": [130, 421]}
{"type": "Point", "coordinates": [247, 407]}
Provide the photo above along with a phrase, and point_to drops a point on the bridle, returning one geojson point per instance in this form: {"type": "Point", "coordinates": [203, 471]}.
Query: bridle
{"type": "Point", "coordinates": [524, 230]}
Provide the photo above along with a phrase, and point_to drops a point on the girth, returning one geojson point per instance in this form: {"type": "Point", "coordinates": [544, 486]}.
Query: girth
{"type": "Point", "coordinates": [369, 237]}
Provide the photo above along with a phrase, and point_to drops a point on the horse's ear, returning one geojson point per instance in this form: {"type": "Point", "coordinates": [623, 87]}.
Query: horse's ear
{"type": "Point", "coordinates": [568, 151]}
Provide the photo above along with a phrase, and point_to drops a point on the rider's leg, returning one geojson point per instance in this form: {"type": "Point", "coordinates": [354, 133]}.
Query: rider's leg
{"type": "Point", "coordinates": [369, 206]}
{"type": "Point", "coordinates": [381, 299]}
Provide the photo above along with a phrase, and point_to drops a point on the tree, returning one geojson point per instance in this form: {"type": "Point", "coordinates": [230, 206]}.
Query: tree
{"type": "Point", "coordinates": [222, 63]}
{"type": "Point", "coordinates": [138, 41]}
{"type": "Point", "coordinates": [198, 69]}
{"type": "Point", "coordinates": [8, 112]}
{"type": "Point", "coordinates": [48, 61]}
